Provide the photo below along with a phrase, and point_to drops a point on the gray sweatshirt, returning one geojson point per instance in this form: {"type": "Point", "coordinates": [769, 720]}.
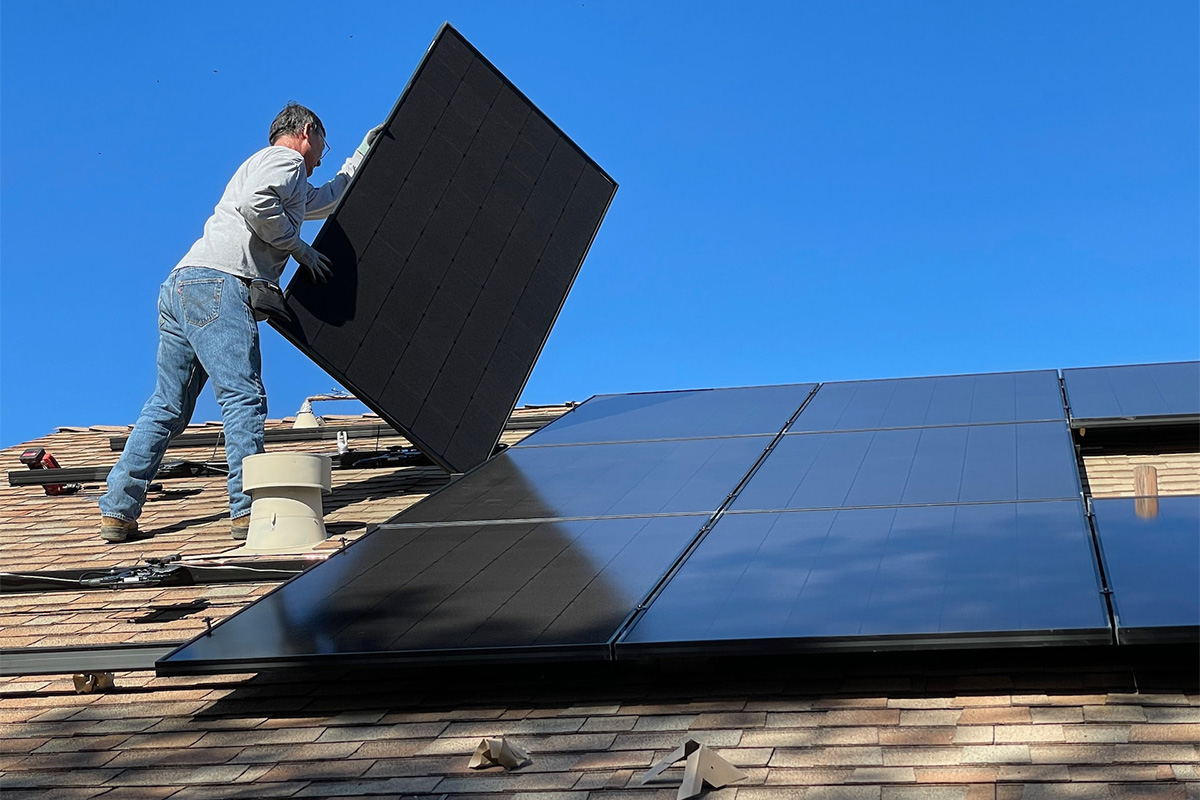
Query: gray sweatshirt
{"type": "Point", "coordinates": [256, 225]}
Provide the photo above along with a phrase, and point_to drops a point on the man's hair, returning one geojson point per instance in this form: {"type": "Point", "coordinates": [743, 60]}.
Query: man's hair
{"type": "Point", "coordinates": [291, 121]}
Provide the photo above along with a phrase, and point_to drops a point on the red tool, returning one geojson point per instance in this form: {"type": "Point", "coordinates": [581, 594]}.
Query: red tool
{"type": "Point", "coordinates": [38, 458]}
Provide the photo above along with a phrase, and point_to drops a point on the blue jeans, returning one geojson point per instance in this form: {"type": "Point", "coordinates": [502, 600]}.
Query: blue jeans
{"type": "Point", "coordinates": [206, 329]}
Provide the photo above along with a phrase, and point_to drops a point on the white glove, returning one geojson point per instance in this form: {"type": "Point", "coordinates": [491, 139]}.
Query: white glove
{"type": "Point", "coordinates": [318, 267]}
{"type": "Point", "coordinates": [369, 139]}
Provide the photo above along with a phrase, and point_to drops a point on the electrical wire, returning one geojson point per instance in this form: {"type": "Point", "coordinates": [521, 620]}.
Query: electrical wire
{"type": "Point", "coordinates": [91, 610]}
{"type": "Point", "coordinates": [245, 569]}
{"type": "Point", "coordinates": [4, 575]}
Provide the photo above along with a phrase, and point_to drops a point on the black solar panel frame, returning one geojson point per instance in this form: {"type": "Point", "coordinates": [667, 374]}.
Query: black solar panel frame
{"type": "Point", "coordinates": [826, 389]}
{"type": "Point", "coordinates": [778, 463]}
{"type": "Point", "coordinates": [756, 444]}
{"type": "Point", "coordinates": [1081, 420]}
{"type": "Point", "coordinates": [598, 650]}
{"type": "Point", "coordinates": [1111, 542]}
{"type": "Point", "coordinates": [765, 646]}
{"type": "Point", "coordinates": [805, 390]}
{"type": "Point", "coordinates": [576, 652]}
{"type": "Point", "coordinates": [618, 648]}
{"type": "Point", "coordinates": [473, 430]}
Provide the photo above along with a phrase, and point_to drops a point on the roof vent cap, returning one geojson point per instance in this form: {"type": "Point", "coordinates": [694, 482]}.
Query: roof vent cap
{"type": "Point", "coordinates": [286, 515]}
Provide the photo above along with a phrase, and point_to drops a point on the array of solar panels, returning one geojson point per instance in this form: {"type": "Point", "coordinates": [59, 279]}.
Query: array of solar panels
{"type": "Point", "coordinates": [453, 252]}
{"type": "Point", "coordinates": [906, 513]}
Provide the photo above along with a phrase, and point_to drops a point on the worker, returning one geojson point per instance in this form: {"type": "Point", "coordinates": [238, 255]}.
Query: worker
{"type": "Point", "coordinates": [207, 327]}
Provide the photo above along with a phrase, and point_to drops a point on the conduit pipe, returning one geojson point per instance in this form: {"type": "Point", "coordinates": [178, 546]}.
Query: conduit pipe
{"type": "Point", "coordinates": [305, 418]}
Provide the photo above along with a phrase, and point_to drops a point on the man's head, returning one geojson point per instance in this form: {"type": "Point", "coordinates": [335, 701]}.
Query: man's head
{"type": "Point", "coordinates": [299, 129]}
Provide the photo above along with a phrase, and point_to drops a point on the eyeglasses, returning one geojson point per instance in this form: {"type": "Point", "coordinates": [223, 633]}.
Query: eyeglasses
{"type": "Point", "coordinates": [324, 144]}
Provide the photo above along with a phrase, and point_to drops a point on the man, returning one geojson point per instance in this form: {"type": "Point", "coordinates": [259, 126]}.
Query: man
{"type": "Point", "coordinates": [207, 328]}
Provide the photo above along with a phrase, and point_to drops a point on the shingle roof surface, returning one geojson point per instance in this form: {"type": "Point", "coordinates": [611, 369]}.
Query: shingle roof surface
{"type": "Point", "coordinates": [1106, 723]}
{"type": "Point", "coordinates": [40, 532]}
{"type": "Point", "coordinates": [812, 729]}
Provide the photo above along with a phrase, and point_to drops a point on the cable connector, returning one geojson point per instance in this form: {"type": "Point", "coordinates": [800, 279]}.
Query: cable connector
{"type": "Point", "coordinates": [157, 570]}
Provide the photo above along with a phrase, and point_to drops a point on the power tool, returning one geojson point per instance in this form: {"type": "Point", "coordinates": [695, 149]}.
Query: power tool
{"type": "Point", "coordinates": [38, 458]}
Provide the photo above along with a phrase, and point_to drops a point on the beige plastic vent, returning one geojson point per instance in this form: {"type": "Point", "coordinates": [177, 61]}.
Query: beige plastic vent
{"type": "Point", "coordinates": [286, 515]}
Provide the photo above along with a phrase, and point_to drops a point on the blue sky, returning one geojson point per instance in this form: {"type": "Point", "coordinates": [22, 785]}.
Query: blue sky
{"type": "Point", "coordinates": [809, 190]}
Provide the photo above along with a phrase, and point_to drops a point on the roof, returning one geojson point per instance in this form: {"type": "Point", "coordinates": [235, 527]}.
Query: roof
{"type": "Point", "coordinates": [40, 532]}
{"type": "Point", "coordinates": [1069, 722]}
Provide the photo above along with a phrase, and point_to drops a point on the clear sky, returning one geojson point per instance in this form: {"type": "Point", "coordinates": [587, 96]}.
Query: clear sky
{"type": "Point", "coordinates": [809, 190]}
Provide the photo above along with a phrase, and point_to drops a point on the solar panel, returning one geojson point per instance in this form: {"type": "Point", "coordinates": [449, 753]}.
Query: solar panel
{"type": "Point", "coordinates": [685, 522]}
{"type": "Point", "coordinates": [966, 464]}
{"type": "Point", "coordinates": [676, 415]}
{"type": "Point", "coordinates": [1011, 573]}
{"type": "Point", "coordinates": [640, 478]}
{"type": "Point", "coordinates": [1138, 392]}
{"type": "Point", "coordinates": [500, 592]}
{"type": "Point", "coordinates": [1151, 552]}
{"type": "Point", "coordinates": [453, 251]}
{"type": "Point", "coordinates": [922, 402]}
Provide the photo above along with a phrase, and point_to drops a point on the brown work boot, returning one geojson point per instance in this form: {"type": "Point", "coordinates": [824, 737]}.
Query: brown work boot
{"type": "Point", "coordinates": [240, 528]}
{"type": "Point", "coordinates": [113, 529]}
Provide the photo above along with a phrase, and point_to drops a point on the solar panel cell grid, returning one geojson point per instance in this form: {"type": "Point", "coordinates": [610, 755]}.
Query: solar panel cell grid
{"type": "Point", "coordinates": [920, 573]}
{"type": "Point", "coordinates": [983, 463]}
{"type": "Point", "coordinates": [920, 402]}
{"type": "Point", "coordinates": [525, 157]}
{"type": "Point", "coordinates": [688, 476]}
{"type": "Point", "coordinates": [1152, 556]}
{"type": "Point", "coordinates": [475, 95]}
{"type": "Point", "coordinates": [454, 215]}
{"type": "Point", "coordinates": [413, 593]}
{"type": "Point", "coordinates": [453, 52]}
{"type": "Point", "coordinates": [908, 537]}
{"type": "Point", "coordinates": [675, 415]}
{"type": "Point", "coordinates": [1138, 391]}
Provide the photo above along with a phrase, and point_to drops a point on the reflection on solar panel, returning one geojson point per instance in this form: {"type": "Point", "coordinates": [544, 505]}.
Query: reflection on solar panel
{"type": "Point", "coordinates": [1139, 392]}
{"type": "Point", "coordinates": [996, 574]}
{"type": "Point", "coordinates": [676, 415]}
{"type": "Point", "coordinates": [699, 522]}
{"type": "Point", "coordinates": [978, 463]}
{"type": "Point", "coordinates": [453, 251]}
{"type": "Point", "coordinates": [640, 478]}
{"type": "Point", "coordinates": [922, 402]}
{"type": "Point", "coordinates": [550, 589]}
{"type": "Point", "coordinates": [498, 563]}
{"type": "Point", "coordinates": [1152, 559]}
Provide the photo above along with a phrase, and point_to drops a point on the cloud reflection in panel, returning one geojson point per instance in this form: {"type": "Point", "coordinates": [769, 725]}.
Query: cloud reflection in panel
{"type": "Point", "coordinates": [1002, 573]}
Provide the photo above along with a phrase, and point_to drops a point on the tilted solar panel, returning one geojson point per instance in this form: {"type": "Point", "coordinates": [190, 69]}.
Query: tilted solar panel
{"type": "Point", "coordinates": [1151, 552]}
{"type": "Point", "coordinates": [1134, 393]}
{"type": "Point", "coordinates": [453, 251]}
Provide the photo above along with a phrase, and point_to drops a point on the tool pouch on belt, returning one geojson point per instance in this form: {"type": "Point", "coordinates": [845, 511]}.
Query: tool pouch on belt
{"type": "Point", "coordinates": [267, 301]}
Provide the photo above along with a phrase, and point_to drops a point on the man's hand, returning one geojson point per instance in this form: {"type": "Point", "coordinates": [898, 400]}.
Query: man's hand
{"type": "Point", "coordinates": [317, 266]}
{"type": "Point", "coordinates": [369, 139]}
